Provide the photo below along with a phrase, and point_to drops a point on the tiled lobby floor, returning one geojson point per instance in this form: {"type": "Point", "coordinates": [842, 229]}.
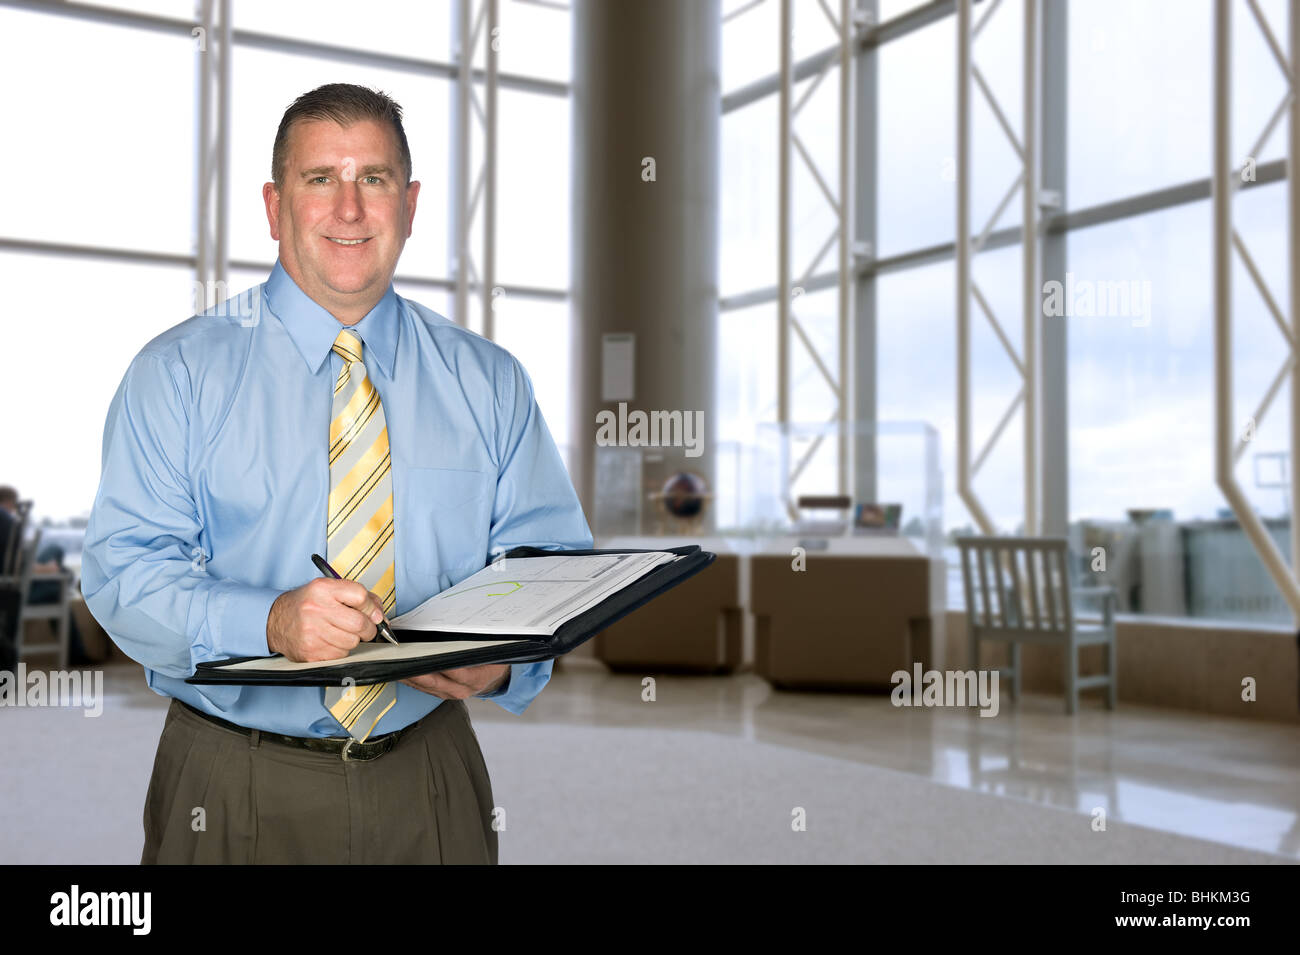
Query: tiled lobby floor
{"type": "Point", "coordinates": [1231, 781]}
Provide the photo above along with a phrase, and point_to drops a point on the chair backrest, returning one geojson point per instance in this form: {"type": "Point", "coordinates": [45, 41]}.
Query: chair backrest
{"type": "Point", "coordinates": [1017, 583]}
{"type": "Point", "coordinates": [29, 551]}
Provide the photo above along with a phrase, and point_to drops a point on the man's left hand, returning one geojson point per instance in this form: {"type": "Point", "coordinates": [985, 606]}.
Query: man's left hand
{"type": "Point", "coordinates": [463, 682]}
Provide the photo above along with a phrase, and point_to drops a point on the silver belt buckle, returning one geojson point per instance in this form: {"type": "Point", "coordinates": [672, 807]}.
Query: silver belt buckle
{"type": "Point", "coordinates": [347, 746]}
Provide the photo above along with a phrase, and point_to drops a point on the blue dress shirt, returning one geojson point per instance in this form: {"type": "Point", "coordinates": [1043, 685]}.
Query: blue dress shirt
{"type": "Point", "coordinates": [216, 475]}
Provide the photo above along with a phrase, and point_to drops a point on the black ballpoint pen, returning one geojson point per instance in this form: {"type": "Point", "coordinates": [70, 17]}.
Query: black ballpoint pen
{"type": "Point", "coordinates": [383, 627]}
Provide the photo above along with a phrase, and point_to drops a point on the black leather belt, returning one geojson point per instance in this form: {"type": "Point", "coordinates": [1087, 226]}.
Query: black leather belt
{"type": "Point", "coordinates": [344, 747]}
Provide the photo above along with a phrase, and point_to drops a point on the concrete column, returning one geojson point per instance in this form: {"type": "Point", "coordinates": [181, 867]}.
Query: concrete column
{"type": "Point", "coordinates": [646, 87]}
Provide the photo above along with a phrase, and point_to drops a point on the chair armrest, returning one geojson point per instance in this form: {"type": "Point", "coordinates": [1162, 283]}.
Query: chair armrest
{"type": "Point", "coordinates": [1110, 601]}
{"type": "Point", "coordinates": [1093, 591]}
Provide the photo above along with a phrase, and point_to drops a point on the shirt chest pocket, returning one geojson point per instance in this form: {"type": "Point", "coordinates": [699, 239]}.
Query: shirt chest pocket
{"type": "Point", "coordinates": [443, 518]}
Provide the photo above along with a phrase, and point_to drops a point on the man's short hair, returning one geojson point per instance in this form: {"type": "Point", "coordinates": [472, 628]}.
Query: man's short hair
{"type": "Point", "coordinates": [8, 496]}
{"type": "Point", "coordinates": [345, 104]}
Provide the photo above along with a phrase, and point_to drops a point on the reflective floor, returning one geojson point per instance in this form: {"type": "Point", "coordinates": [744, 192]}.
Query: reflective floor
{"type": "Point", "coordinates": [1230, 781]}
{"type": "Point", "coordinates": [737, 755]}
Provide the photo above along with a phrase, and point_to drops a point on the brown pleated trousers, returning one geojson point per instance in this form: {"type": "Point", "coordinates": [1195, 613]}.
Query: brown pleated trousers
{"type": "Point", "coordinates": [217, 796]}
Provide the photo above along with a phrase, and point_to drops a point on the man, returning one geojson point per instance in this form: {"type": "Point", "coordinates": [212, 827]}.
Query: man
{"type": "Point", "coordinates": [326, 415]}
{"type": "Point", "coordinates": [9, 517]}
{"type": "Point", "coordinates": [9, 594]}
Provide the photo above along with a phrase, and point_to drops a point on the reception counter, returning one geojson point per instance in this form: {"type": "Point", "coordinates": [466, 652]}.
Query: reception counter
{"type": "Point", "coordinates": [845, 615]}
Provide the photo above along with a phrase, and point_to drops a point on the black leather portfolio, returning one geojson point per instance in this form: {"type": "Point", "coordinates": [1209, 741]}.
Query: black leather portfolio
{"type": "Point", "coordinates": [419, 651]}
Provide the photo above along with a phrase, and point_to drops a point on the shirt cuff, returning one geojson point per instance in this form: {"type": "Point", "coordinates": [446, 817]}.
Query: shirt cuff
{"type": "Point", "coordinates": [526, 681]}
{"type": "Point", "coordinates": [241, 622]}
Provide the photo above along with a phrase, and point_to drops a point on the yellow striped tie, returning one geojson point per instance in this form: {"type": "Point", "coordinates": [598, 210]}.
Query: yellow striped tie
{"type": "Point", "coordinates": [360, 518]}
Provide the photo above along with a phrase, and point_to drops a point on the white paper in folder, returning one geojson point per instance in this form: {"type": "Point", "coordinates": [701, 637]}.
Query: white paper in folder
{"type": "Point", "coordinates": [529, 596]}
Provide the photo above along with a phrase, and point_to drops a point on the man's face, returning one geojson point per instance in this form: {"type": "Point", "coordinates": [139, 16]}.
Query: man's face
{"type": "Point", "coordinates": [341, 185]}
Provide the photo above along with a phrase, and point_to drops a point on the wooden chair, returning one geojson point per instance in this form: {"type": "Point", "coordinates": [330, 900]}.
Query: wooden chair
{"type": "Point", "coordinates": [17, 571]}
{"type": "Point", "coordinates": [1018, 591]}
{"type": "Point", "coordinates": [11, 594]}
{"type": "Point", "coordinates": [59, 612]}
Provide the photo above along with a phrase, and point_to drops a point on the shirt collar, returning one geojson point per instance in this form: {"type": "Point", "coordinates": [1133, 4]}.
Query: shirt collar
{"type": "Point", "coordinates": [313, 329]}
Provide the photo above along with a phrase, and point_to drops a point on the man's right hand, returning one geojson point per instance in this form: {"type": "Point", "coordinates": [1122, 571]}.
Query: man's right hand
{"type": "Point", "coordinates": [322, 620]}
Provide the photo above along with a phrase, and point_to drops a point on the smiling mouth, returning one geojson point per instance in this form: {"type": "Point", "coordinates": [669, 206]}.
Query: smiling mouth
{"type": "Point", "coordinates": [347, 241]}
